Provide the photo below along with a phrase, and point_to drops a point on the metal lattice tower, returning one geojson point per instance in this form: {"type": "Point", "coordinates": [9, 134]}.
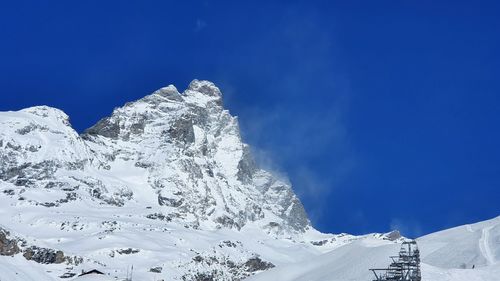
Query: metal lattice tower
{"type": "Point", "coordinates": [404, 267]}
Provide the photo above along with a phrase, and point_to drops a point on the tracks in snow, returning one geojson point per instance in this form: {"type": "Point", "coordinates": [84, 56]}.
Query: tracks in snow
{"type": "Point", "coordinates": [469, 228]}
{"type": "Point", "coordinates": [484, 246]}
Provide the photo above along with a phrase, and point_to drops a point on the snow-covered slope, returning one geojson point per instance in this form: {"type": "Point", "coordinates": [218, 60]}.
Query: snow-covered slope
{"type": "Point", "coordinates": [166, 185]}
{"type": "Point", "coordinates": [446, 256]}
{"type": "Point", "coordinates": [474, 244]}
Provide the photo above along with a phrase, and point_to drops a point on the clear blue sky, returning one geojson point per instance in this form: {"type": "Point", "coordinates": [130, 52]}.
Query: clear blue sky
{"type": "Point", "coordinates": [384, 114]}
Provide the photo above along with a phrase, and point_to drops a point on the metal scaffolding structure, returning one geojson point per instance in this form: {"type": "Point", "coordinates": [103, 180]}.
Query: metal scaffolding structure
{"type": "Point", "coordinates": [404, 267]}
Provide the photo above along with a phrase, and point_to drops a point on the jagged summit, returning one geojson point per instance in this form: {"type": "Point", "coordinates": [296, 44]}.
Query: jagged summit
{"type": "Point", "coordinates": [205, 87]}
{"type": "Point", "coordinates": [167, 91]}
{"type": "Point", "coordinates": [131, 118]}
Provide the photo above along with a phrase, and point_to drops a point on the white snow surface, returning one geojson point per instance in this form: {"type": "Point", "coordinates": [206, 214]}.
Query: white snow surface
{"type": "Point", "coordinates": [166, 185]}
{"type": "Point", "coordinates": [446, 256]}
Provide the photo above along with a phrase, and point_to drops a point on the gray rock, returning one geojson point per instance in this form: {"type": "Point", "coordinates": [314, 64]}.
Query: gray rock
{"type": "Point", "coordinates": [227, 222]}
{"type": "Point", "coordinates": [9, 192]}
{"type": "Point", "coordinates": [49, 204]}
{"type": "Point", "coordinates": [246, 166]}
{"type": "Point", "coordinates": [182, 130]}
{"type": "Point", "coordinates": [128, 251]}
{"type": "Point", "coordinates": [67, 275]}
{"type": "Point", "coordinates": [297, 217]}
{"type": "Point", "coordinates": [106, 128]}
{"type": "Point", "coordinates": [159, 216]}
{"type": "Point", "coordinates": [165, 201]}
{"type": "Point", "coordinates": [28, 172]}
{"type": "Point", "coordinates": [31, 127]}
{"type": "Point", "coordinates": [256, 264]}
{"type": "Point", "coordinates": [319, 243]}
{"type": "Point", "coordinates": [157, 269]}
{"type": "Point", "coordinates": [138, 127]}
{"type": "Point", "coordinates": [43, 255]}
{"type": "Point", "coordinates": [205, 276]}
{"type": "Point", "coordinates": [8, 246]}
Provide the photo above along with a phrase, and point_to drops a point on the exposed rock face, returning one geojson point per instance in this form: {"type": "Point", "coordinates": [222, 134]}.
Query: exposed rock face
{"type": "Point", "coordinates": [44, 255]}
{"type": "Point", "coordinates": [128, 251]}
{"type": "Point", "coordinates": [156, 269]}
{"type": "Point", "coordinates": [256, 264]}
{"type": "Point", "coordinates": [106, 128]}
{"type": "Point", "coordinates": [8, 247]}
{"type": "Point", "coordinates": [393, 235]}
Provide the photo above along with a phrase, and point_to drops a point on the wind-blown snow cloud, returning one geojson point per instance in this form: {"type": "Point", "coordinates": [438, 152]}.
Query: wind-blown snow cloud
{"type": "Point", "coordinates": [291, 144]}
{"type": "Point", "coordinates": [305, 138]}
{"type": "Point", "coordinates": [406, 227]}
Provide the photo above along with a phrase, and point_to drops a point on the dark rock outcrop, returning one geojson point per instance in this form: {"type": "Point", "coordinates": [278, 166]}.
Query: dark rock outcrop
{"type": "Point", "coordinates": [256, 264]}
{"type": "Point", "coordinates": [106, 128]}
{"type": "Point", "coordinates": [157, 269]}
{"type": "Point", "coordinates": [43, 255]}
{"type": "Point", "coordinates": [127, 251]}
{"type": "Point", "coordinates": [8, 246]}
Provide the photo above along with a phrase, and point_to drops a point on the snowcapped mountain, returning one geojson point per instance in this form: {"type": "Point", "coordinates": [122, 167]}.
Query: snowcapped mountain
{"type": "Point", "coordinates": [182, 153]}
{"type": "Point", "coordinates": [165, 185]}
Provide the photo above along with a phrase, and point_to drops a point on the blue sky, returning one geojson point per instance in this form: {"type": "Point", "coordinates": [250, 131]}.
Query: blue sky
{"type": "Point", "coordinates": [383, 114]}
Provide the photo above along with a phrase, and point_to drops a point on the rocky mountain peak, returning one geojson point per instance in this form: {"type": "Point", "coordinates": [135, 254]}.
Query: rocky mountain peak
{"type": "Point", "coordinates": [205, 87]}
{"type": "Point", "coordinates": [179, 152]}
{"type": "Point", "coordinates": [196, 104]}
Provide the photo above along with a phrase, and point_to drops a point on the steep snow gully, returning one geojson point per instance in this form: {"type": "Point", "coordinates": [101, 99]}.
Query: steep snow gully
{"type": "Point", "coordinates": [484, 245]}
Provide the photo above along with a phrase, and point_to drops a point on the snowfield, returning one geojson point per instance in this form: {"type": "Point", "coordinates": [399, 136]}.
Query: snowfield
{"type": "Point", "coordinates": [446, 256]}
{"type": "Point", "coordinates": [166, 185]}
